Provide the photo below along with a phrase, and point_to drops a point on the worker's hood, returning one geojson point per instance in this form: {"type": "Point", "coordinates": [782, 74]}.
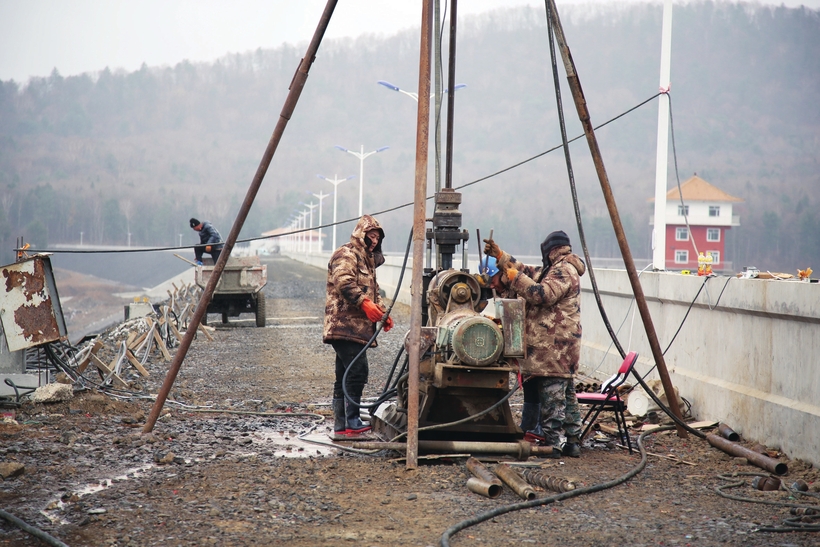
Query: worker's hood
{"type": "Point", "coordinates": [365, 224]}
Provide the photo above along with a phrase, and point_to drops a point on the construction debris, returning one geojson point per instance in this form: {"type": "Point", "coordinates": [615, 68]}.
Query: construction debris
{"type": "Point", "coordinates": [52, 393]}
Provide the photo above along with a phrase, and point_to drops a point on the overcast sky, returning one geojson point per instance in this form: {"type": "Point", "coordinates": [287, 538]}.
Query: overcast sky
{"type": "Point", "coordinates": [78, 36]}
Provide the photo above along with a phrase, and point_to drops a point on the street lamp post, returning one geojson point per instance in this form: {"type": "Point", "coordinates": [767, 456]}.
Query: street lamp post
{"type": "Point", "coordinates": [321, 195]}
{"type": "Point", "coordinates": [312, 206]}
{"type": "Point", "coordinates": [362, 156]}
{"type": "Point", "coordinates": [415, 97]}
{"type": "Point", "coordinates": [412, 95]}
{"type": "Point", "coordinates": [335, 181]}
{"type": "Point", "coordinates": [302, 223]}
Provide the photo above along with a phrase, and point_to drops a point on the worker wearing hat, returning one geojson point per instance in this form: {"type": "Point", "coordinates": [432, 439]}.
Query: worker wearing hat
{"type": "Point", "coordinates": [553, 328]}
{"type": "Point", "coordinates": [209, 239]}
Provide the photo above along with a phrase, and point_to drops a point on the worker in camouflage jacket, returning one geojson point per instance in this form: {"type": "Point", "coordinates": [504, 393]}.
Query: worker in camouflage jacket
{"type": "Point", "coordinates": [353, 306]}
{"type": "Point", "coordinates": [553, 328]}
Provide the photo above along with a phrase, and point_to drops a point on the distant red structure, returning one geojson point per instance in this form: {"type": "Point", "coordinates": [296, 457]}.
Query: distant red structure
{"type": "Point", "coordinates": [709, 212]}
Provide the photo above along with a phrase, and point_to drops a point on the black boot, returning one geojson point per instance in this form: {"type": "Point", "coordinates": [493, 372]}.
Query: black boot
{"type": "Point", "coordinates": [572, 448]}
{"type": "Point", "coordinates": [530, 416]}
{"type": "Point", "coordinates": [339, 419]}
{"type": "Point", "coordinates": [531, 423]}
{"type": "Point", "coordinates": [355, 425]}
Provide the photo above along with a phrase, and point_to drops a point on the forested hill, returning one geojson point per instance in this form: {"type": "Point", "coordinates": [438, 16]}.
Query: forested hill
{"type": "Point", "coordinates": [113, 153]}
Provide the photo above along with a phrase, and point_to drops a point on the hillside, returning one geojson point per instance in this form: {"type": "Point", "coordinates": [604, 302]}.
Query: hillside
{"type": "Point", "coordinates": [114, 153]}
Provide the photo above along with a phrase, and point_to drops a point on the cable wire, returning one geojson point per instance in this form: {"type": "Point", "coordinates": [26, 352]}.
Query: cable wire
{"type": "Point", "coordinates": [445, 538]}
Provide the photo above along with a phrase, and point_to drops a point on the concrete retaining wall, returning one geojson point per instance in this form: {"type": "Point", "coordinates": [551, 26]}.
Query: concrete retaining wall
{"type": "Point", "coordinates": [745, 354]}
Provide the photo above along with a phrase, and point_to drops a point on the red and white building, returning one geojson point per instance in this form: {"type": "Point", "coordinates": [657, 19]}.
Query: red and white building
{"type": "Point", "coordinates": [709, 212]}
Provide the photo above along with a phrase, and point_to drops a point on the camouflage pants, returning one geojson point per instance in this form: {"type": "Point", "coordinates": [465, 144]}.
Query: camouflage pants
{"type": "Point", "coordinates": [559, 408]}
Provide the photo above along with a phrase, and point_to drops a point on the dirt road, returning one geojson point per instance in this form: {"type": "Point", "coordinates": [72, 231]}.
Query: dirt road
{"type": "Point", "coordinates": [242, 478]}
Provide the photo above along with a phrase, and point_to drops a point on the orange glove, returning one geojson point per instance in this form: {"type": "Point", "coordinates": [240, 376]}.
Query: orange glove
{"type": "Point", "coordinates": [372, 311]}
{"type": "Point", "coordinates": [207, 248]}
{"type": "Point", "coordinates": [388, 324]}
{"type": "Point", "coordinates": [491, 248]}
{"type": "Point", "coordinates": [511, 273]}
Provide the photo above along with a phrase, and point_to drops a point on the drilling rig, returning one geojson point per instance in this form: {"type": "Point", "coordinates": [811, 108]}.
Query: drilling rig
{"type": "Point", "coordinates": [467, 356]}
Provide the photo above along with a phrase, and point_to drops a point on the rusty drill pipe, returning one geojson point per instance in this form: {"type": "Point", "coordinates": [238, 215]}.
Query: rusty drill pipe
{"type": "Point", "coordinates": [761, 461]}
{"type": "Point", "coordinates": [487, 489]}
{"type": "Point", "coordinates": [540, 478]}
{"type": "Point", "coordinates": [609, 198]}
{"type": "Point", "coordinates": [419, 204]}
{"type": "Point", "coordinates": [512, 479]}
{"type": "Point", "coordinates": [480, 471]}
{"type": "Point", "coordinates": [728, 433]}
{"type": "Point", "coordinates": [294, 91]}
{"type": "Point", "coordinates": [521, 449]}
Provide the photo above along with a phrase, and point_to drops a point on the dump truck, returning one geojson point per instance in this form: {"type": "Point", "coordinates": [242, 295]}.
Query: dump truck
{"type": "Point", "coordinates": [239, 289]}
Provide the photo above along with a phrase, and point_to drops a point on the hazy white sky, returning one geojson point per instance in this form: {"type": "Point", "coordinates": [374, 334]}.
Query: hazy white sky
{"type": "Point", "coordinates": [78, 36]}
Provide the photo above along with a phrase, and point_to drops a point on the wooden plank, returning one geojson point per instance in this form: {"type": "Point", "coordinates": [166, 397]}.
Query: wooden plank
{"type": "Point", "coordinates": [107, 372]}
{"type": "Point", "coordinates": [94, 349]}
{"type": "Point", "coordinates": [161, 343]}
{"type": "Point", "coordinates": [205, 331]}
{"type": "Point", "coordinates": [175, 331]}
{"type": "Point", "coordinates": [703, 425]}
{"type": "Point", "coordinates": [135, 363]}
{"type": "Point", "coordinates": [138, 341]}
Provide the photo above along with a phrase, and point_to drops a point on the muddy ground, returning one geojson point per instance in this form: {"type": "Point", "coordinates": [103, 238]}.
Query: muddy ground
{"type": "Point", "coordinates": [241, 478]}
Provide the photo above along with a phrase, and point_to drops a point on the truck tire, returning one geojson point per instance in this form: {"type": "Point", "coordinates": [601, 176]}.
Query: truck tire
{"type": "Point", "coordinates": [224, 317]}
{"type": "Point", "coordinates": [260, 309]}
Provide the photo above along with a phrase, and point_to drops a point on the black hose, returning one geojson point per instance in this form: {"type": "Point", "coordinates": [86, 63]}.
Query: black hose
{"type": "Point", "coordinates": [445, 538]}
{"type": "Point", "coordinates": [36, 532]}
{"type": "Point", "coordinates": [9, 382]}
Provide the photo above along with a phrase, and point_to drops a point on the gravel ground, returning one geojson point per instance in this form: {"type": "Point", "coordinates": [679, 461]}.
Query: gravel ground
{"type": "Point", "coordinates": [218, 478]}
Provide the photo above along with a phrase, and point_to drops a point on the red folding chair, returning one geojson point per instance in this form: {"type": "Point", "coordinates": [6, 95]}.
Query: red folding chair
{"type": "Point", "coordinates": [609, 400]}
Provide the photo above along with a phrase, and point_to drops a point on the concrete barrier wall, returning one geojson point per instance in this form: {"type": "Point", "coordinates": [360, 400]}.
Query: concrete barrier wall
{"type": "Point", "coordinates": [745, 354]}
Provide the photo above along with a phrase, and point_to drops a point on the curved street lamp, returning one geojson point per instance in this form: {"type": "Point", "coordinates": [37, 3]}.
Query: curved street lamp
{"type": "Point", "coordinates": [415, 97]}
{"type": "Point", "coordinates": [412, 95]}
{"type": "Point", "coordinates": [362, 156]}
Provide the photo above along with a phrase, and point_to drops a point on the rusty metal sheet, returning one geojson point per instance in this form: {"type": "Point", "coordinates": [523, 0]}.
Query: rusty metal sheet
{"type": "Point", "coordinates": [29, 305]}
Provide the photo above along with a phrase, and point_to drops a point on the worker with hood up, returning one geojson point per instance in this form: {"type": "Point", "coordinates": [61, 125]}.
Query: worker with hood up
{"type": "Point", "coordinates": [353, 306]}
{"type": "Point", "coordinates": [553, 328]}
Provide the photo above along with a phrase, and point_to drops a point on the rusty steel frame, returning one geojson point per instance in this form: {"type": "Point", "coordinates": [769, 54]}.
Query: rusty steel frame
{"type": "Point", "coordinates": [603, 178]}
{"type": "Point", "coordinates": [294, 91]}
{"type": "Point", "coordinates": [419, 203]}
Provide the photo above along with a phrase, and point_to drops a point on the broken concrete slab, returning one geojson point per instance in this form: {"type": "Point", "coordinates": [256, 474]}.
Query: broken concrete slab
{"type": "Point", "coordinates": [52, 393]}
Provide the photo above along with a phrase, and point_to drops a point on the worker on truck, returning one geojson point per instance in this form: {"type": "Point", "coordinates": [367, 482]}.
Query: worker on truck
{"type": "Point", "coordinates": [553, 327]}
{"type": "Point", "coordinates": [209, 239]}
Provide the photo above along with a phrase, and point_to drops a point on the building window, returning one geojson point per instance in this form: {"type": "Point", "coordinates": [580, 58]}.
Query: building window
{"type": "Point", "coordinates": [715, 256]}
{"type": "Point", "coordinates": [714, 210]}
{"type": "Point", "coordinates": [681, 233]}
{"type": "Point", "coordinates": [683, 210]}
{"type": "Point", "coordinates": [681, 257]}
{"type": "Point", "coordinates": [712, 234]}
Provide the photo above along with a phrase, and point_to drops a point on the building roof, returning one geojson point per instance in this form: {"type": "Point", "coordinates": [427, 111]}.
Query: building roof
{"type": "Point", "coordinates": [697, 189]}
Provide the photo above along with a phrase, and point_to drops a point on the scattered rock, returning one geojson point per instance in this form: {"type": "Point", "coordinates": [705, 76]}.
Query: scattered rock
{"type": "Point", "coordinates": [9, 470]}
{"type": "Point", "coordinates": [52, 393]}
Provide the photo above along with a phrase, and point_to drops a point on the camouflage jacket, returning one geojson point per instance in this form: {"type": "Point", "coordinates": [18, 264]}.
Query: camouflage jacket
{"type": "Point", "coordinates": [553, 316]}
{"type": "Point", "coordinates": [351, 277]}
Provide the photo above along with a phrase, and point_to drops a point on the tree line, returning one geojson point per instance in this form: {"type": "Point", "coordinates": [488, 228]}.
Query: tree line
{"type": "Point", "coordinates": [115, 153]}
